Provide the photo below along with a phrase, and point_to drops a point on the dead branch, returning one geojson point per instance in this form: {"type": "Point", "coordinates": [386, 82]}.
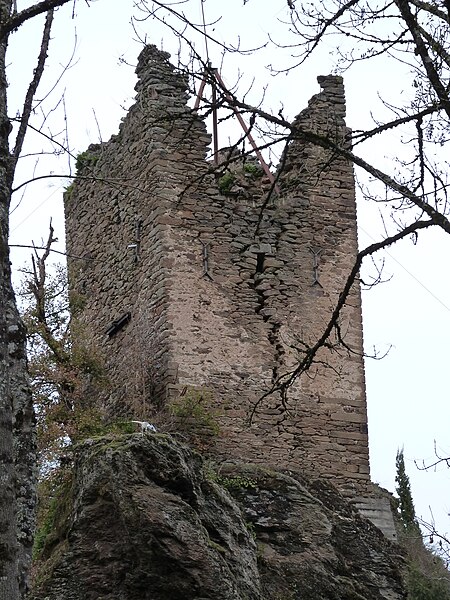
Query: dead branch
{"type": "Point", "coordinates": [37, 287]}
{"type": "Point", "coordinates": [18, 18]}
{"type": "Point", "coordinates": [37, 75]}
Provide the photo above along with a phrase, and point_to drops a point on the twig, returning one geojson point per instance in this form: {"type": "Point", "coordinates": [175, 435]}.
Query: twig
{"type": "Point", "coordinates": [16, 19]}
{"type": "Point", "coordinates": [28, 104]}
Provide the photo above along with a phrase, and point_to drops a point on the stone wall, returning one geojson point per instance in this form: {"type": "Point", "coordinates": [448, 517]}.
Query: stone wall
{"type": "Point", "coordinates": [195, 285]}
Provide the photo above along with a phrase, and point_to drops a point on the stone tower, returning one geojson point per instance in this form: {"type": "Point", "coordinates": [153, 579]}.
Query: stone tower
{"type": "Point", "coordinates": [194, 282]}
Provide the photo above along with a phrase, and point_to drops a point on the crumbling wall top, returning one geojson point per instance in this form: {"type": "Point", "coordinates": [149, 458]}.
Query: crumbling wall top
{"type": "Point", "coordinates": [156, 74]}
{"type": "Point", "coordinates": [332, 87]}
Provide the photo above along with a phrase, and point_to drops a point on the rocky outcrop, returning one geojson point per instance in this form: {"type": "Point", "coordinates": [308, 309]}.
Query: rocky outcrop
{"type": "Point", "coordinates": [145, 518]}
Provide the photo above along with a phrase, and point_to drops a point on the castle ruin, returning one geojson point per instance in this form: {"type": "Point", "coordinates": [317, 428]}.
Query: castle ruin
{"type": "Point", "coordinates": [196, 281]}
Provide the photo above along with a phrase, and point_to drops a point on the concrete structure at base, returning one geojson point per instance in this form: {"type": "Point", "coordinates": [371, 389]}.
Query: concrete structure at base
{"type": "Point", "coordinates": [194, 282]}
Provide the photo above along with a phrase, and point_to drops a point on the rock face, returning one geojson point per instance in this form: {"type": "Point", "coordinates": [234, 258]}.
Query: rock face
{"type": "Point", "coordinates": [145, 518]}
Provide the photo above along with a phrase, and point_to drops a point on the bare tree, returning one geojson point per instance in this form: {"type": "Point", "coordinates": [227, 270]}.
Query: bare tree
{"type": "Point", "coordinates": [17, 434]}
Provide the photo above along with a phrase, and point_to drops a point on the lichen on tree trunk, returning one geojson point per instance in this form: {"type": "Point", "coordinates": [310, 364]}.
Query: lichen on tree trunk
{"type": "Point", "coordinates": [17, 435]}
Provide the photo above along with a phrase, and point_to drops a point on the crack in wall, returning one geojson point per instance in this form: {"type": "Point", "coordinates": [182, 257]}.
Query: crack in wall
{"type": "Point", "coordinates": [273, 334]}
{"type": "Point", "coordinates": [279, 351]}
{"type": "Point", "coordinates": [261, 299]}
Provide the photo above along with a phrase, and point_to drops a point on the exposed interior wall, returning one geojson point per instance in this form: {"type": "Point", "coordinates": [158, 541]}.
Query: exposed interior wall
{"type": "Point", "coordinates": [223, 291]}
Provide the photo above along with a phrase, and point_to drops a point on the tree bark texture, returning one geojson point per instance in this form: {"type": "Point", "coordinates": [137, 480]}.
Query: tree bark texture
{"type": "Point", "coordinates": [17, 435]}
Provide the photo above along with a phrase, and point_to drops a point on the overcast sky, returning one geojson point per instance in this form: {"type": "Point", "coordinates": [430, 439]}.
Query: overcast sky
{"type": "Point", "coordinates": [408, 390]}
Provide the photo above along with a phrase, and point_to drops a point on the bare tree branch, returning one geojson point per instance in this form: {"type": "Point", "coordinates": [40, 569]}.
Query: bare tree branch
{"type": "Point", "coordinates": [422, 51]}
{"type": "Point", "coordinates": [18, 18]}
{"type": "Point", "coordinates": [431, 8]}
{"type": "Point", "coordinates": [325, 142]}
{"type": "Point", "coordinates": [33, 247]}
{"type": "Point", "coordinates": [37, 75]}
{"type": "Point", "coordinates": [286, 380]}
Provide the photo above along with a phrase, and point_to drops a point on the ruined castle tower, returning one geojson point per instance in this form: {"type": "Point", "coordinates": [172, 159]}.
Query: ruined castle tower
{"type": "Point", "coordinates": [196, 283]}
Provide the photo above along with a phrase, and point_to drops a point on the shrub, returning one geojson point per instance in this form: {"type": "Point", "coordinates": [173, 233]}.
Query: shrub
{"type": "Point", "coordinates": [86, 160]}
{"type": "Point", "coordinates": [253, 169]}
{"type": "Point", "coordinates": [225, 182]}
{"type": "Point", "coordinates": [193, 412]}
{"type": "Point", "coordinates": [433, 585]}
{"type": "Point", "coordinates": [54, 493]}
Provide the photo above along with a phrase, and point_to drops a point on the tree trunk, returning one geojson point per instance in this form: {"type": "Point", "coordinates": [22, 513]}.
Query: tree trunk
{"type": "Point", "coordinates": [9, 580]}
{"type": "Point", "coordinates": [17, 435]}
